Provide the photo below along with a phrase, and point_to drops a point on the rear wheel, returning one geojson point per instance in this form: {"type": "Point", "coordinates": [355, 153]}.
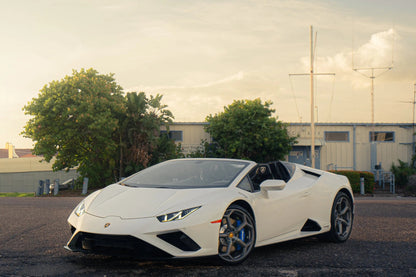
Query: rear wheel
{"type": "Point", "coordinates": [237, 235]}
{"type": "Point", "coordinates": [341, 218]}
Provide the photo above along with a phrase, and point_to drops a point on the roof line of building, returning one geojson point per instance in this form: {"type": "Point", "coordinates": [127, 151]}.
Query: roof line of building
{"type": "Point", "coordinates": [351, 124]}
{"type": "Point", "coordinates": [318, 123]}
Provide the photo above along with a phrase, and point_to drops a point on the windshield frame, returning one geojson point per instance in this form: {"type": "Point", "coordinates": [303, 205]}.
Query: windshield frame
{"type": "Point", "coordinates": [200, 166]}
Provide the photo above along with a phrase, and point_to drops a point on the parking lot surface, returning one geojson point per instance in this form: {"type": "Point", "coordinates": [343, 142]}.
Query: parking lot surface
{"type": "Point", "coordinates": [383, 243]}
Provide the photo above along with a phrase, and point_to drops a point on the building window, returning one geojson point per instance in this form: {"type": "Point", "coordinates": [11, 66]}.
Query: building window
{"type": "Point", "coordinates": [382, 136]}
{"type": "Point", "coordinates": [337, 136]}
{"type": "Point", "coordinates": [174, 135]}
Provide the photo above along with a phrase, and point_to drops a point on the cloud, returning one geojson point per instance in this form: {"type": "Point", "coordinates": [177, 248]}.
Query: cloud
{"type": "Point", "coordinates": [194, 102]}
{"type": "Point", "coordinates": [377, 52]}
{"type": "Point", "coordinates": [235, 77]}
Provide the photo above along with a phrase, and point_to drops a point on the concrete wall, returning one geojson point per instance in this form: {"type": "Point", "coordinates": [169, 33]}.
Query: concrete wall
{"type": "Point", "coordinates": [29, 181]}
{"type": "Point", "coordinates": [24, 165]}
{"type": "Point", "coordinates": [23, 174]}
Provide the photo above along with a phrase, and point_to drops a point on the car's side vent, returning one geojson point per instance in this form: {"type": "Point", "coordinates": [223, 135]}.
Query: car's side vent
{"type": "Point", "coordinates": [311, 226]}
{"type": "Point", "coordinates": [311, 173]}
{"type": "Point", "coordinates": [180, 240]}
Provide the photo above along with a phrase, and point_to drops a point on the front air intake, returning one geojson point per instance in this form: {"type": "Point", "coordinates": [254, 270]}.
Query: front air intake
{"type": "Point", "coordinates": [180, 240]}
{"type": "Point", "coordinates": [115, 245]}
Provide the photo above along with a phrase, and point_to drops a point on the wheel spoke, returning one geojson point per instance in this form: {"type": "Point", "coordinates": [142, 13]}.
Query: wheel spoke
{"type": "Point", "coordinates": [343, 221]}
{"type": "Point", "coordinates": [340, 228]}
{"type": "Point", "coordinates": [345, 210]}
{"type": "Point", "coordinates": [228, 220]}
{"type": "Point", "coordinates": [240, 242]}
{"type": "Point", "coordinates": [242, 225]}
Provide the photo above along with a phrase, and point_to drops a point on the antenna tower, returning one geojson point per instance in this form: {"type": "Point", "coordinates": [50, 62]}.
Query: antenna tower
{"type": "Point", "coordinates": [370, 72]}
{"type": "Point", "coordinates": [312, 75]}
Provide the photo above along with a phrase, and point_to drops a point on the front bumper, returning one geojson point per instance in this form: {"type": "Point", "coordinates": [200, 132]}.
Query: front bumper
{"type": "Point", "coordinates": [144, 237]}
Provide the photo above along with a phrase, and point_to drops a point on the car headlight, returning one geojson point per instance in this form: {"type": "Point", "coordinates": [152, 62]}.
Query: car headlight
{"type": "Point", "coordinates": [80, 209]}
{"type": "Point", "coordinates": [177, 215]}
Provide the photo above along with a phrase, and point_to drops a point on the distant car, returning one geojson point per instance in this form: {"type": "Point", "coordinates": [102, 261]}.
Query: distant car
{"type": "Point", "coordinates": [200, 207]}
{"type": "Point", "coordinates": [65, 185]}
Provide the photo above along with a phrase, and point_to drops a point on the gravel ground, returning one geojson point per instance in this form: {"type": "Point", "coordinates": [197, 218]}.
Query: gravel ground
{"type": "Point", "coordinates": [383, 243]}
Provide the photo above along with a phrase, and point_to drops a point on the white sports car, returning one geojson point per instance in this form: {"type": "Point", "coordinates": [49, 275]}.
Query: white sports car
{"type": "Point", "coordinates": [200, 207]}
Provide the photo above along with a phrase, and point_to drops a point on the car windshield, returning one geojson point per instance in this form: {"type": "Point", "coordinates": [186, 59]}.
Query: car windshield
{"type": "Point", "coordinates": [192, 173]}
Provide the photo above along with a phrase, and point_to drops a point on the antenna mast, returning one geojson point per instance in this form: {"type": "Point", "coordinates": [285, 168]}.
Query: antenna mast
{"type": "Point", "coordinates": [372, 76]}
{"type": "Point", "coordinates": [312, 74]}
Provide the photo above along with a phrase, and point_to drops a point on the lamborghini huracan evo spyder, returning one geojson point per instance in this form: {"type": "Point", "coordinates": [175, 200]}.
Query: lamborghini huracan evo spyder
{"type": "Point", "coordinates": [201, 207]}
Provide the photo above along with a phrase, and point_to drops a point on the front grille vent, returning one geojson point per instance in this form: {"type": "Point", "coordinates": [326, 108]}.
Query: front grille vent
{"type": "Point", "coordinates": [117, 245]}
{"type": "Point", "coordinates": [180, 240]}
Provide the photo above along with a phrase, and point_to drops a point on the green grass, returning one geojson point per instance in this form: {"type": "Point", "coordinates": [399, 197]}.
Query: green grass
{"type": "Point", "coordinates": [16, 194]}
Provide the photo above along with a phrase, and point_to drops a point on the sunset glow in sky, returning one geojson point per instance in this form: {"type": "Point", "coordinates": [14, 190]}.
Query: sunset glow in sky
{"type": "Point", "coordinates": [201, 55]}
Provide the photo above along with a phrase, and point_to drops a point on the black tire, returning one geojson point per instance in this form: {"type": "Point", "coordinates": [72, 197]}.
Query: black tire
{"type": "Point", "coordinates": [237, 235]}
{"type": "Point", "coordinates": [341, 219]}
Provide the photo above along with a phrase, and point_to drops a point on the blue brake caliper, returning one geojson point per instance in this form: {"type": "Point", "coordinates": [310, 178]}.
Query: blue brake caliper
{"type": "Point", "coordinates": [241, 234]}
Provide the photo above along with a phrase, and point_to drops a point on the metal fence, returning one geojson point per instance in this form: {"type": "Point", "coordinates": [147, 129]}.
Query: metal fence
{"type": "Point", "coordinates": [384, 178]}
{"type": "Point", "coordinates": [29, 181]}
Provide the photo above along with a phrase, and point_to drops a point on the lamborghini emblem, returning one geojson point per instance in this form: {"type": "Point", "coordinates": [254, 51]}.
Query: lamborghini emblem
{"type": "Point", "coordinates": [106, 225]}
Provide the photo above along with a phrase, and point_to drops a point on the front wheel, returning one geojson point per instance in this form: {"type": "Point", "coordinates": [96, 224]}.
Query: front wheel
{"type": "Point", "coordinates": [341, 218]}
{"type": "Point", "coordinates": [237, 235]}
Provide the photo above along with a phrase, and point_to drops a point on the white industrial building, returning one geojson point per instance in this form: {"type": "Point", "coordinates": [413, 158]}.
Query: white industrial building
{"type": "Point", "coordinates": [20, 170]}
{"type": "Point", "coordinates": [355, 146]}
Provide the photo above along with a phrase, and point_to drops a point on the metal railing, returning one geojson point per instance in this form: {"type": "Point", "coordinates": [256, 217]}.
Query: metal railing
{"type": "Point", "coordinates": [383, 178]}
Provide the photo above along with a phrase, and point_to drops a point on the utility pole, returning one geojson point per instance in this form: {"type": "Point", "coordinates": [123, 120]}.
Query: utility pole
{"type": "Point", "coordinates": [413, 119]}
{"type": "Point", "coordinates": [372, 77]}
{"type": "Point", "coordinates": [373, 144]}
{"type": "Point", "coordinates": [413, 122]}
{"type": "Point", "coordinates": [312, 104]}
{"type": "Point", "coordinates": [312, 74]}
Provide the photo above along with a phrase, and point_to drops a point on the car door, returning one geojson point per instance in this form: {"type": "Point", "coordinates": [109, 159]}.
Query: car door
{"type": "Point", "coordinates": [281, 213]}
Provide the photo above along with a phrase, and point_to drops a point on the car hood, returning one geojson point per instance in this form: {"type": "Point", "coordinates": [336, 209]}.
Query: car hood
{"type": "Point", "coordinates": [131, 202]}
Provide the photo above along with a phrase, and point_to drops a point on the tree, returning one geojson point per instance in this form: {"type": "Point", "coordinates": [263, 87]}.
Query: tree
{"type": "Point", "coordinates": [140, 142]}
{"type": "Point", "coordinates": [74, 120]}
{"type": "Point", "coordinates": [85, 122]}
{"type": "Point", "coordinates": [247, 130]}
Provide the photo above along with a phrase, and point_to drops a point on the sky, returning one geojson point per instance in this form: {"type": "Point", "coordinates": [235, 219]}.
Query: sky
{"type": "Point", "coordinates": [201, 55]}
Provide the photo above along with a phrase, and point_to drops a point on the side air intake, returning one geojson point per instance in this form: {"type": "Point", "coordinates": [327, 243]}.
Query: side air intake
{"type": "Point", "coordinates": [311, 226]}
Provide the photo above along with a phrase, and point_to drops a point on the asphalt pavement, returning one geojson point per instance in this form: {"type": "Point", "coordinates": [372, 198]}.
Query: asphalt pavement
{"type": "Point", "coordinates": [383, 243]}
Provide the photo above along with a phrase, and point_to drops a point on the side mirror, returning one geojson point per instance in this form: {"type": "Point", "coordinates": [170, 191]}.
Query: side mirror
{"type": "Point", "coordinates": [270, 185]}
{"type": "Point", "coordinates": [273, 185]}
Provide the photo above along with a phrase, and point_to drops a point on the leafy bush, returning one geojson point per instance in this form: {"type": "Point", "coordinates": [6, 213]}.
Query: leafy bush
{"type": "Point", "coordinates": [402, 173]}
{"type": "Point", "coordinates": [354, 178]}
{"type": "Point", "coordinates": [410, 189]}
{"type": "Point", "coordinates": [205, 150]}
